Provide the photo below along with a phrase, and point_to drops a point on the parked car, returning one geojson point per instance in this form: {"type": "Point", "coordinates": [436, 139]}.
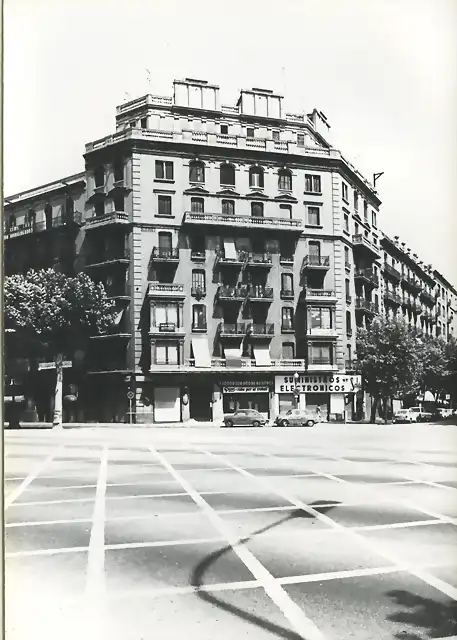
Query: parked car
{"type": "Point", "coordinates": [442, 414]}
{"type": "Point", "coordinates": [413, 414]}
{"type": "Point", "coordinates": [296, 418]}
{"type": "Point", "coordinates": [245, 418]}
{"type": "Point", "coordinates": [420, 414]}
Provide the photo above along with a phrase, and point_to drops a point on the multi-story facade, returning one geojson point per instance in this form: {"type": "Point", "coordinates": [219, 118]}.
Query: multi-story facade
{"type": "Point", "coordinates": [241, 250]}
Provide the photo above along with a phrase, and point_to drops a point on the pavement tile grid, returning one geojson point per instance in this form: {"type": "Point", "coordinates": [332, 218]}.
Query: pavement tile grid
{"type": "Point", "coordinates": [289, 541]}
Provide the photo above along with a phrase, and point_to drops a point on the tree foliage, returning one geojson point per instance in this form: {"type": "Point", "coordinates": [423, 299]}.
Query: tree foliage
{"type": "Point", "coordinates": [54, 311]}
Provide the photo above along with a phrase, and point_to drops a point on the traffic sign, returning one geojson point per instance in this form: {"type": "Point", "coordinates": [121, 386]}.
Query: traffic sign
{"type": "Point", "coordinates": [66, 364]}
{"type": "Point", "coordinates": [130, 395]}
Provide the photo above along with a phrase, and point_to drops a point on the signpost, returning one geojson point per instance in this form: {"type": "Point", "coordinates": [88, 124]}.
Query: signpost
{"type": "Point", "coordinates": [42, 366]}
{"type": "Point", "coordinates": [130, 396]}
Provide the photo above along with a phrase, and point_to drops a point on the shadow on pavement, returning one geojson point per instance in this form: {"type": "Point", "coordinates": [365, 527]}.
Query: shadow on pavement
{"type": "Point", "coordinates": [198, 574]}
{"type": "Point", "coordinates": [439, 620]}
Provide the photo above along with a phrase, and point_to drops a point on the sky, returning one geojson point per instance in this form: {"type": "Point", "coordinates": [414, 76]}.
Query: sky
{"type": "Point", "coordinates": [383, 71]}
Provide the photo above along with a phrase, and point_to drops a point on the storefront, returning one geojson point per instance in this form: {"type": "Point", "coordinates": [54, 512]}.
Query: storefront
{"type": "Point", "coordinates": [325, 392]}
{"type": "Point", "coordinates": [246, 394]}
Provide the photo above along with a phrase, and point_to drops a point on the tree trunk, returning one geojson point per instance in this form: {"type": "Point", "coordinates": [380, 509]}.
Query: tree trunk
{"type": "Point", "coordinates": [57, 420]}
{"type": "Point", "coordinates": [374, 406]}
{"type": "Point", "coordinates": [386, 408]}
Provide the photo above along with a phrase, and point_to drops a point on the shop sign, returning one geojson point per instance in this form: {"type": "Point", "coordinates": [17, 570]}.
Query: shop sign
{"type": "Point", "coordinates": [237, 389]}
{"type": "Point", "coordinates": [327, 383]}
{"type": "Point", "coordinates": [66, 364]}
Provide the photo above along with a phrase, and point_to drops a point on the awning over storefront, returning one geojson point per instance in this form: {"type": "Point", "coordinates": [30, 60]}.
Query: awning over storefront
{"type": "Point", "coordinates": [118, 316]}
{"type": "Point", "coordinates": [230, 250]}
{"type": "Point", "coordinates": [200, 348]}
{"type": "Point", "coordinates": [233, 357]}
{"type": "Point", "coordinates": [262, 355]}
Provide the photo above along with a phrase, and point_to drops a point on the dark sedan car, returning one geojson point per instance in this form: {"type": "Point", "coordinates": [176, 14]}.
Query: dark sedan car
{"type": "Point", "coordinates": [245, 418]}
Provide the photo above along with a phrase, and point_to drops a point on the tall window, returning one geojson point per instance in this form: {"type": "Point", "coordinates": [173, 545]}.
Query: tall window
{"type": "Point", "coordinates": [144, 123]}
{"type": "Point", "coordinates": [285, 180]}
{"type": "Point", "coordinates": [287, 283]}
{"type": "Point", "coordinates": [227, 174]}
{"type": "Point", "coordinates": [287, 317]}
{"type": "Point", "coordinates": [288, 350]}
{"type": "Point", "coordinates": [314, 217]}
{"type": "Point", "coordinates": [99, 210]}
{"type": "Point", "coordinates": [69, 208]}
{"type": "Point", "coordinates": [349, 352]}
{"type": "Point", "coordinates": [228, 207]}
{"type": "Point", "coordinates": [30, 217]}
{"type": "Point", "coordinates": [320, 318]}
{"type": "Point", "coordinates": [11, 224]}
{"type": "Point", "coordinates": [196, 171]}
{"type": "Point", "coordinates": [165, 243]}
{"type": "Point", "coordinates": [118, 170]}
{"type": "Point", "coordinates": [286, 211]}
{"type": "Point", "coordinates": [257, 209]}
{"type": "Point", "coordinates": [346, 222]}
{"type": "Point", "coordinates": [197, 205]}
{"type": "Point", "coordinates": [164, 205]}
{"type": "Point", "coordinates": [99, 177]}
{"type": "Point", "coordinates": [347, 262]}
{"type": "Point", "coordinates": [356, 229]}
{"type": "Point", "coordinates": [314, 252]}
{"type": "Point", "coordinates": [167, 352]}
{"type": "Point", "coordinates": [48, 214]}
{"type": "Point", "coordinates": [348, 323]}
{"type": "Point", "coordinates": [166, 314]}
{"type": "Point", "coordinates": [119, 203]}
{"type": "Point", "coordinates": [365, 210]}
{"type": "Point", "coordinates": [164, 170]}
{"type": "Point", "coordinates": [344, 191]}
{"type": "Point", "coordinates": [198, 316]}
{"type": "Point", "coordinates": [256, 177]}
{"type": "Point", "coordinates": [321, 353]}
{"type": "Point", "coordinates": [198, 281]}
{"type": "Point", "coordinates": [197, 245]}
{"type": "Point", "coordinates": [374, 221]}
{"type": "Point", "coordinates": [312, 183]}
{"type": "Point", "coordinates": [348, 289]}
{"type": "Point", "coordinates": [300, 139]}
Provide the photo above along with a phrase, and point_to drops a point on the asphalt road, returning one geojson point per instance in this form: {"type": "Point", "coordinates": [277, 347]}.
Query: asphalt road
{"type": "Point", "coordinates": [335, 532]}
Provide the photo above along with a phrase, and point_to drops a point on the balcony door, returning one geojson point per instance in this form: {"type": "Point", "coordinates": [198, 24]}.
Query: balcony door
{"type": "Point", "coordinates": [165, 243]}
{"type": "Point", "coordinates": [166, 314]}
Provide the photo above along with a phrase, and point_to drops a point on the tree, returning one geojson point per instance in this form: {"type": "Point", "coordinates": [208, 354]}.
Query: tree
{"type": "Point", "coordinates": [389, 359]}
{"type": "Point", "coordinates": [434, 364]}
{"type": "Point", "coordinates": [52, 313]}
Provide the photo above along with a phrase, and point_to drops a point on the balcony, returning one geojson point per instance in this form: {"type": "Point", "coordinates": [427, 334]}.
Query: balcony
{"type": "Point", "coordinates": [352, 365]}
{"type": "Point", "coordinates": [238, 261]}
{"type": "Point", "coordinates": [119, 186]}
{"type": "Point", "coordinates": [321, 332]}
{"type": "Point", "coordinates": [287, 294]}
{"type": "Point", "coordinates": [250, 222]}
{"type": "Point", "coordinates": [108, 258]}
{"type": "Point", "coordinates": [115, 333]}
{"type": "Point", "coordinates": [367, 275]}
{"type": "Point", "coordinates": [117, 292]}
{"type": "Point", "coordinates": [394, 273]}
{"type": "Point", "coordinates": [265, 330]}
{"type": "Point", "coordinates": [364, 246]}
{"type": "Point", "coordinates": [236, 330]}
{"type": "Point", "coordinates": [113, 218]}
{"type": "Point", "coordinates": [166, 329]}
{"type": "Point", "coordinates": [217, 364]}
{"type": "Point", "coordinates": [411, 282]}
{"type": "Point", "coordinates": [321, 364]}
{"type": "Point", "coordinates": [320, 295]}
{"type": "Point", "coordinates": [198, 292]}
{"type": "Point", "coordinates": [70, 221]}
{"type": "Point", "coordinates": [392, 298]}
{"type": "Point", "coordinates": [365, 306]}
{"type": "Point", "coordinates": [258, 293]}
{"type": "Point", "coordinates": [428, 296]}
{"type": "Point", "coordinates": [198, 256]}
{"type": "Point", "coordinates": [320, 263]}
{"type": "Point", "coordinates": [287, 327]}
{"type": "Point", "coordinates": [286, 260]}
{"type": "Point", "coordinates": [165, 290]}
{"type": "Point", "coordinates": [159, 254]}
{"type": "Point", "coordinates": [260, 260]}
{"type": "Point", "coordinates": [408, 302]}
{"type": "Point", "coordinates": [232, 294]}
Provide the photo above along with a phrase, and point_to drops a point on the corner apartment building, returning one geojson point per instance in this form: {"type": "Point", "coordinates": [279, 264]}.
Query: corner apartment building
{"type": "Point", "coordinates": [239, 246]}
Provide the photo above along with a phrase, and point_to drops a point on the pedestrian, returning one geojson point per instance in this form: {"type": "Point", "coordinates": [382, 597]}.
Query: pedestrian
{"type": "Point", "coordinates": [318, 413]}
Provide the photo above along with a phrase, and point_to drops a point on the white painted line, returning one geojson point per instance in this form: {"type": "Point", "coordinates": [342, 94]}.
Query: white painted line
{"type": "Point", "coordinates": [302, 624]}
{"type": "Point", "coordinates": [14, 495]}
{"type": "Point", "coordinates": [177, 591]}
{"type": "Point", "coordinates": [44, 552]}
{"type": "Point", "coordinates": [423, 575]}
{"type": "Point", "coordinates": [96, 558]}
{"type": "Point", "coordinates": [38, 523]}
{"type": "Point", "coordinates": [396, 525]}
{"type": "Point", "coordinates": [163, 543]}
{"type": "Point", "coordinates": [72, 486]}
{"type": "Point", "coordinates": [42, 502]}
{"type": "Point", "coordinates": [338, 575]}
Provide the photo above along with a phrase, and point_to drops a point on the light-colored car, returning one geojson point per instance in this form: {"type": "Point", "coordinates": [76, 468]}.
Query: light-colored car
{"type": "Point", "coordinates": [420, 414]}
{"type": "Point", "coordinates": [296, 418]}
{"type": "Point", "coordinates": [444, 413]}
{"type": "Point", "coordinates": [404, 415]}
{"type": "Point", "coordinates": [245, 418]}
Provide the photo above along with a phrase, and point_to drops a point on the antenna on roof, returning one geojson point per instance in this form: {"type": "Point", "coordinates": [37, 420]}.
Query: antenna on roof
{"type": "Point", "coordinates": [148, 78]}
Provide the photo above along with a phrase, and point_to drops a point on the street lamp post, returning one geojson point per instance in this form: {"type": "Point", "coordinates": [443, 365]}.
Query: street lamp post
{"type": "Point", "coordinates": [296, 390]}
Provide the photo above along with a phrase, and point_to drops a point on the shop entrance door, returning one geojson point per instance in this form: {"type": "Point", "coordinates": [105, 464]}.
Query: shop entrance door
{"type": "Point", "coordinates": [200, 402]}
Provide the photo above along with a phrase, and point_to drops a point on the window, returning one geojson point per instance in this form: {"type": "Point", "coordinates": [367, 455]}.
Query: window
{"type": "Point", "coordinates": [356, 201]}
{"type": "Point", "coordinates": [99, 210]}
{"type": "Point", "coordinates": [118, 170]}
{"type": "Point", "coordinates": [197, 205]}
{"type": "Point", "coordinates": [224, 129]}
{"type": "Point", "coordinates": [249, 132]}
{"type": "Point", "coordinates": [300, 139]}
{"type": "Point", "coordinates": [345, 191]}
{"type": "Point", "coordinates": [349, 352]}
{"type": "Point", "coordinates": [375, 240]}
{"type": "Point", "coordinates": [276, 136]}
{"type": "Point", "coordinates": [348, 323]}
{"type": "Point", "coordinates": [227, 172]}
{"type": "Point", "coordinates": [197, 246]}
{"type": "Point", "coordinates": [144, 123]}
{"type": "Point", "coordinates": [198, 281]}
{"type": "Point", "coordinates": [257, 209]}
{"type": "Point", "coordinates": [99, 177]}
{"type": "Point", "coordinates": [198, 316]}
{"type": "Point", "coordinates": [356, 229]}
{"type": "Point", "coordinates": [165, 243]}
{"type": "Point", "coordinates": [228, 207]}
{"type": "Point", "coordinates": [320, 318]}
{"type": "Point", "coordinates": [287, 283]}
{"type": "Point", "coordinates": [119, 203]}
{"type": "Point", "coordinates": [166, 314]}
{"type": "Point", "coordinates": [256, 177]}
{"type": "Point", "coordinates": [164, 205]}
{"type": "Point", "coordinates": [286, 211]}
{"type": "Point", "coordinates": [347, 262]}
{"type": "Point", "coordinates": [348, 290]}
{"type": "Point", "coordinates": [314, 251]}
{"type": "Point", "coordinates": [346, 223]}
{"type": "Point", "coordinates": [48, 213]}
{"type": "Point", "coordinates": [30, 217]}
{"type": "Point", "coordinates": [321, 353]}
{"type": "Point", "coordinates": [11, 222]}
{"type": "Point", "coordinates": [312, 183]}
{"type": "Point", "coordinates": [285, 180]}
{"type": "Point", "coordinates": [164, 170]}
{"type": "Point", "coordinates": [288, 350]}
{"type": "Point", "coordinates": [196, 171]}
{"type": "Point", "coordinates": [287, 317]}
{"type": "Point", "coordinates": [314, 216]}
{"type": "Point", "coordinates": [167, 352]}
{"type": "Point", "coordinates": [374, 220]}
{"type": "Point", "coordinates": [365, 210]}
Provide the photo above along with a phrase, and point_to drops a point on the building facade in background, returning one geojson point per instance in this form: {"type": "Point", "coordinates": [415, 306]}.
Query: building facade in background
{"type": "Point", "coordinates": [241, 251]}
